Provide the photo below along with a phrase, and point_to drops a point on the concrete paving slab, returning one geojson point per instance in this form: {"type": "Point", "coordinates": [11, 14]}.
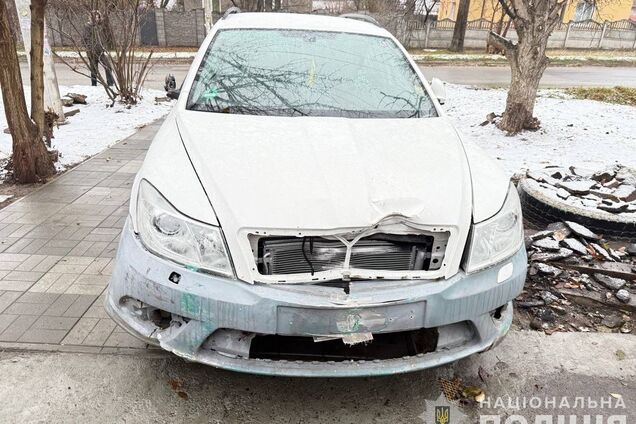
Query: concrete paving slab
{"type": "Point", "coordinates": [57, 247]}
{"type": "Point", "coordinates": [144, 385]}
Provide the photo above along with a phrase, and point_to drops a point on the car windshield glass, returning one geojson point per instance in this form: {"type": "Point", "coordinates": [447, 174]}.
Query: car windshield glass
{"type": "Point", "coordinates": [307, 73]}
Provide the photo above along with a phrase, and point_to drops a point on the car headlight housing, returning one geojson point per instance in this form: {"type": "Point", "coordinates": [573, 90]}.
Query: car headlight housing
{"type": "Point", "coordinates": [497, 238]}
{"type": "Point", "coordinates": [167, 233]}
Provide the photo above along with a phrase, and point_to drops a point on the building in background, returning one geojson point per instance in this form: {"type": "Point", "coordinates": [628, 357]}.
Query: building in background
{"type": "Point", "coordinates": [220, 6]}
{"type": "Point", "coordinates": [333, 6]}
{"type": "Point", "coordinates": [576, 10]}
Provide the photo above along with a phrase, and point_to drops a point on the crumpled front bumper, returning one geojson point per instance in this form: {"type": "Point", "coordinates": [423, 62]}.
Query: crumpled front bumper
{"type": "Point", "coordinates": [208, 303]}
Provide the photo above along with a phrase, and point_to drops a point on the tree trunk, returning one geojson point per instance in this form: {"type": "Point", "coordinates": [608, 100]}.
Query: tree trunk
{"type": "Point", "coordinates": [31, 160]}
{"type": "Point", "coordinates": [37, 63]}
{"type": "Point", "coordinates": [527, 63]}
{"type": "Point", "coordinates": [15, 22]}
{"type": "Point", "coordinates": [459, 33]}
{"type": "Point", "coordinates": [277, 5]}
{"type": "Point", "coordinates": [533, 22]}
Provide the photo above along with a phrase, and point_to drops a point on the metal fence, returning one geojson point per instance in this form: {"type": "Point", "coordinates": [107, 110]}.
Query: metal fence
{"type": "Point", "coordinates": [187, 29]}
{"type": "Point", "coordinates": [574, 35]}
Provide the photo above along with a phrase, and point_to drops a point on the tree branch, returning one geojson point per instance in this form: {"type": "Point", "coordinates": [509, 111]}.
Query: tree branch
{"type": "Point", "coordinates": [556, 12]}
{"type": "Point", "coordinates": [500, 42]}
{"type": "Point", "coordinates": [507, 10]}
{"type": "Point", "coordinates": [521, 9]}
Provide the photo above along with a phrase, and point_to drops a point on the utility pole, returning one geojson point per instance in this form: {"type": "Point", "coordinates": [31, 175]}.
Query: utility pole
{"type": "Point", "coordinates": [51, 90]}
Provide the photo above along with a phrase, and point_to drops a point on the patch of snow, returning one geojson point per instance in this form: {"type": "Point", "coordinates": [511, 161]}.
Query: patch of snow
{"type": "Point", "coordinates": [579, 202]}
{"type": "Point", "coordinates": [97, 125]}
{"type": "Point", "coordinates": [582, 133]}
{"type": "Point", "coordinates": [5, 197]}
{"type": "Point", "coordinates": [600, 58]}
{"type": "Point", "coordinates": [69, 54]}
{"type": "Point", "coordinates": [457, 56]}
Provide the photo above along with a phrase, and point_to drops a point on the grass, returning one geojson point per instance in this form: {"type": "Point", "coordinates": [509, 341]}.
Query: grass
{"type": "Point", "coordinates": [583, 53]}
{"type": "Point", "coordinates": [558, 57]}
{"type": "Point", "coordinates": [618, 95]}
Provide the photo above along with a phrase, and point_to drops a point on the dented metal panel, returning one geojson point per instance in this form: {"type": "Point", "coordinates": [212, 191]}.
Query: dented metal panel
{"type": "Point", "coordinates": [203, 304]}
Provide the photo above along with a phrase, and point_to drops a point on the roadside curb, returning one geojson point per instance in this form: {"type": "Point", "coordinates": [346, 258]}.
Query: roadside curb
{"type": "Point", "coordinates": [45, 347]}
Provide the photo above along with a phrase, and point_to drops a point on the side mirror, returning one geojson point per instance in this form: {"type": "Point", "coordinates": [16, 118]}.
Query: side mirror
{"type": "Point", "coordinates": [439, 90]}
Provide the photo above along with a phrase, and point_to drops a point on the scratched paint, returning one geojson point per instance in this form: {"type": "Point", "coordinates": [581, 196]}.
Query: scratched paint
{"type": "Point", "coordinates": [190, 304]}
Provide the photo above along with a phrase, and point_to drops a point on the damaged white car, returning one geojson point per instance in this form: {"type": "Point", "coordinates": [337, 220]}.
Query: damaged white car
{"type": "Point", "coordinates": [308, 210]}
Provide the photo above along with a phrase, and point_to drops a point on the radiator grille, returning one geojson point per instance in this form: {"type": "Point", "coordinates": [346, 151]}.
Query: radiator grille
{"type": "Point", "coordinates": [295, 255]}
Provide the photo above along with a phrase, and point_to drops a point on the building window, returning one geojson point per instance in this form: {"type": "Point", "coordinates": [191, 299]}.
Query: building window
{"type": "Point", "coordinates": [584, 10]}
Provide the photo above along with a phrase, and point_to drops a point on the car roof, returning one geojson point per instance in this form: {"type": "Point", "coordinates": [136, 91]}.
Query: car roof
{"type": "Point", "coordinates": [299, 21]}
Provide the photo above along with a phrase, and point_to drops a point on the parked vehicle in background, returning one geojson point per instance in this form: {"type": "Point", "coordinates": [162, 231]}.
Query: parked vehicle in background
{"type": "Point", "coordinates": [308, 210]}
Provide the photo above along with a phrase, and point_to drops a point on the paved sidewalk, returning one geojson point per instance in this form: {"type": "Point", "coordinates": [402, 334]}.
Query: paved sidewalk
{"type": "Point", "coordinates": [56, 254]}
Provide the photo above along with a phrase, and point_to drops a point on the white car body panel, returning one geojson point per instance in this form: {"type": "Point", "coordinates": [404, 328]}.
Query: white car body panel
{"type": "Point", "coordinates": [306, 176]}
{"type": "Point", "coordinates": [169, 169]}
{"type": "Point", "coordinates": [490, 184]}
{"type": "Point", "coordinates": [317, 175]}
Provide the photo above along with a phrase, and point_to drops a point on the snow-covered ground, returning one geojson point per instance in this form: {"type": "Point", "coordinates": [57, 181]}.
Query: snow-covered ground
{"type": "Point", "coordinates": [583, 133]}
{"type": "Point", "coordinates": [70, 54]}
{"type": "Point", "coordinates": [96, 126]}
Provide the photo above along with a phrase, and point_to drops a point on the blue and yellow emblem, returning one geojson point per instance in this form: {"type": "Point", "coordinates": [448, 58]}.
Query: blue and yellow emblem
{"type": "Point", "coordinates": [442, 414]}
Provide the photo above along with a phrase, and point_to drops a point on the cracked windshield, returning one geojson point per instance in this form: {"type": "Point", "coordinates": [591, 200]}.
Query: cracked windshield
{"type": "Point", "coordinates": [308, 73]}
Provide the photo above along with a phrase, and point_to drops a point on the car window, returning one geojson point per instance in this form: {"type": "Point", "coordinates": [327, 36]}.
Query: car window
{"type": "Point", "coordinates": [307, 73]}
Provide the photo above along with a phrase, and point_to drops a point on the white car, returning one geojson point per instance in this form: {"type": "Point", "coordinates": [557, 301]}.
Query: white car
{"type": "Point", "coordinates": [308, 210]}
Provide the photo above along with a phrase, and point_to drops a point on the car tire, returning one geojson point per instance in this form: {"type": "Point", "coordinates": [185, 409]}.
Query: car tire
{"type": "Point", "coordinates": [540, 210]}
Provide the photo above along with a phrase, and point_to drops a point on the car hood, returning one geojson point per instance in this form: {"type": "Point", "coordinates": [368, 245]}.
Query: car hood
{"type": "Point", "coordinates": [330, 176]}
{"type": "Point", "coordinates": [328, 173]}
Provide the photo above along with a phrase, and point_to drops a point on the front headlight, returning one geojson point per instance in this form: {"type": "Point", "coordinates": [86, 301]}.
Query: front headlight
{"type": "Point", "coordinates": [497, 238]}
{"type": "Point", "coordinates": [167, 233]}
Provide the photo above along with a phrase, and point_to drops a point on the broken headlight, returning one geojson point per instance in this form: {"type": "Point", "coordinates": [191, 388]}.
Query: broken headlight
{"type": "Point", "coordinates": [497, 238]}
{"type": "Point", "coordinates": [167, 233]}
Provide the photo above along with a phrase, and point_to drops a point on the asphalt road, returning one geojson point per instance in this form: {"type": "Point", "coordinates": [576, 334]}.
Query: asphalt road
{"type": "Point", "coordinates": [471, 75]}
{"type": "Point", "coordinates": [592, 76]}
{"type": "Point", "coordinates": [158, 387]}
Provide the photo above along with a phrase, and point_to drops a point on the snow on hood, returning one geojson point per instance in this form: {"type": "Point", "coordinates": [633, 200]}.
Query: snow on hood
{"type": "Point", "coordinates": [327, 173]}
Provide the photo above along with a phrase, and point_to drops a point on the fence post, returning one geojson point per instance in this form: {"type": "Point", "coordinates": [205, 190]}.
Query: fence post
{"type": "Point", "coordinates": [567, 34]}
{"type": "Point", "coordinates": [428, 30]}
{"type": "Point", "coordinates": [161, 27]}
{"type": "Point", "coordinates": [600, 41]}
{"type": "Point", "coordinates": [199, 20]}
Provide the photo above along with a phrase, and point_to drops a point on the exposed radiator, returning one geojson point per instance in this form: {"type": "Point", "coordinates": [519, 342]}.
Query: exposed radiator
{"type": "Point", "coordinates": [296, 255]}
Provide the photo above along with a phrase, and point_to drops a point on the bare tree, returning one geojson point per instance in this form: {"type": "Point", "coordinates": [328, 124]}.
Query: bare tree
{"type": "Point", "coordinates": [112, 43]}
{"type": "Point", "coordinates": [250, 5]}
{"type": "Point", "coordinates": [37, 63]}
{"type": "Point", "coordinates": [425, 8]}
{"type": "Point", "coordinates": [338, 7]}
{"type": "Point", "coordinates": [461, 22]}
{"type": "Point", "coordinates": [533, 22]}
{"type": "Point", "coordinates": [31, 161]}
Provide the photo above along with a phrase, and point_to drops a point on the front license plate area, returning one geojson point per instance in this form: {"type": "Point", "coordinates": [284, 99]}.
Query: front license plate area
{"type": "Point", "coordinates": [330, 321]}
